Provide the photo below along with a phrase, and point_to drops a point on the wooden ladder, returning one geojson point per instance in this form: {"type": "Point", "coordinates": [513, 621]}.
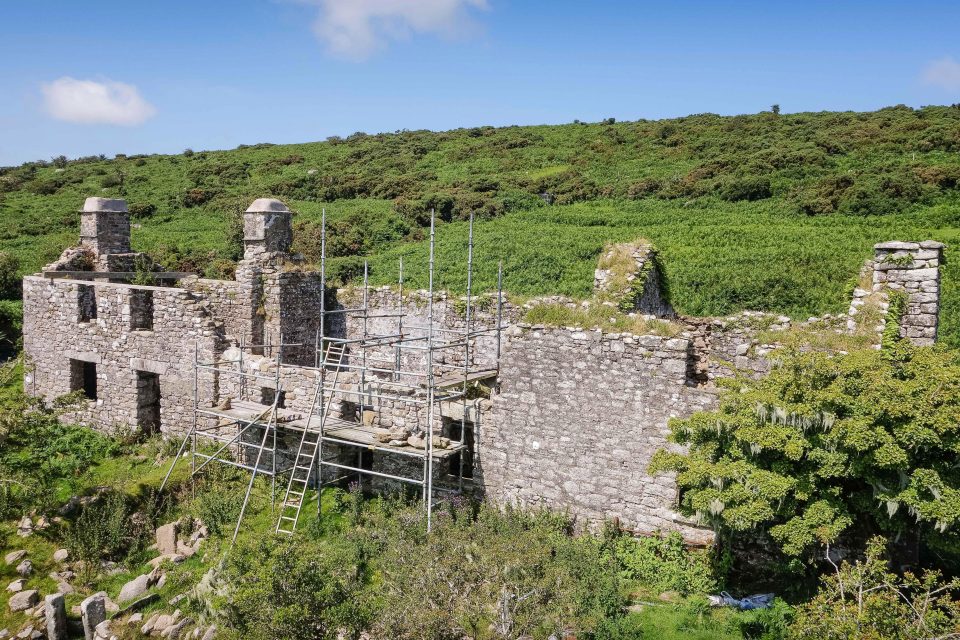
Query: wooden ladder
{"type": "Point", "coordinates": [309, 447]}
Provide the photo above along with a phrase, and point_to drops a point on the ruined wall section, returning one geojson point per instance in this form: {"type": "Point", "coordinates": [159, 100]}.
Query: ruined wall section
{"type": "Point", "coordinates": [53, 337]}
{"type": "Point", "coordinates": [910, 267]}
{"type": "Point", "coordinates": [578, 418]}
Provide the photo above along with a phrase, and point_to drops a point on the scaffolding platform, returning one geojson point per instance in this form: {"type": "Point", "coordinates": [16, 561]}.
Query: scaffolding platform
{"type": "Point", "coordinates": [407, 374]}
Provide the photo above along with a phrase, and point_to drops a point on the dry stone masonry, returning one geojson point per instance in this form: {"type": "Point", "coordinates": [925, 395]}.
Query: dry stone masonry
{"type": "Point", "coordinates": [570, 423]}
{"type": "Point", "coordinates": [909, 267]}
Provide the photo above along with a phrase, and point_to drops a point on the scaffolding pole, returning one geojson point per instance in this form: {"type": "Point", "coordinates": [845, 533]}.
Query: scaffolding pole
{"type": "Point", "coordinates": [440, 369]}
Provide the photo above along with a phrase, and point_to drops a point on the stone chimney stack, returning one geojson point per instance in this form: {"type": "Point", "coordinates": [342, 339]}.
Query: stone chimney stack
{"type": "Point", "coordinates": [912, 267]}
{"type": "Point", "coordinates": [267, 228]}
{"type": "Point", "coordinates": [105, 226]}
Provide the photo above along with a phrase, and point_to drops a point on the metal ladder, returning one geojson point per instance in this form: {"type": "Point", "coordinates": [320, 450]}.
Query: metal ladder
{"type": "Point", "coordinates": [306, 457]}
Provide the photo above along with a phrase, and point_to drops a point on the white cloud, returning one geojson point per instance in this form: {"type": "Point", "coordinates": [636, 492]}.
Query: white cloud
{"type": "Point", "coordinates": [355, 29]}
{"type": "Point", "coordinates": [943, 73]}
{"type": "Point", "coordinates": [91, 102]}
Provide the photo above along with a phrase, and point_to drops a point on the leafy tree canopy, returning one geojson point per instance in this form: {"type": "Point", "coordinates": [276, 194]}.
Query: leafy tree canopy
{"type": "Point", "coordinates": [826, 443]}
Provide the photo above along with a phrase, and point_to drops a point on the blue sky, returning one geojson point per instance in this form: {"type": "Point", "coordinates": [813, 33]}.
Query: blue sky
{"type": "Point", "coordinates": [110, 77]}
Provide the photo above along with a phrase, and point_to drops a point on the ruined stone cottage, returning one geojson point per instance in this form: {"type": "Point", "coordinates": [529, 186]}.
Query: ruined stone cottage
{"type": "Point", "coordinates": [565, 418]}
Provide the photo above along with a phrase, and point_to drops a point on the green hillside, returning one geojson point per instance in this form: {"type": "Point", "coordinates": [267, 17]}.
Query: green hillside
{"type": "Point", "coordinates": [769, 211]}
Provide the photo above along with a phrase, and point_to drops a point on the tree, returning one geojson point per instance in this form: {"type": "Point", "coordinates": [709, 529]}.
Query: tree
{"type": "Point", "coordinates": [827, 442]}
{"type": "Point", "coordinates": [775, 109]}
{"type": "Point", "coordinates": [864, 599]}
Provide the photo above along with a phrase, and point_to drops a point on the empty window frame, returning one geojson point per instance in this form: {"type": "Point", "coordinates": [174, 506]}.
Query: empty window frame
{"type": "Point", "coordinates": [267, 395]}
{"type": "Point", "coordinates": [86, 303]}
{"type": "Point", "coordinates": [148, 402]}
{"type": "Point", "coordinates": [83, 377]}
{"type": "Point", "coordinates": [141, 309]}
{"type": "Point", "coordinates": [453, 430]}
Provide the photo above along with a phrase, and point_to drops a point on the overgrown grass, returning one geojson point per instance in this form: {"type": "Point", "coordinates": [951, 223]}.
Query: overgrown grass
{"type": "Point", "coordinates": [597, 316]}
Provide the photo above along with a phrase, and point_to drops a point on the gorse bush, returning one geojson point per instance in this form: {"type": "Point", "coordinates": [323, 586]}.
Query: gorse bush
{"type": "Point", "coordinates": [288, 589]}
{"type": "Point", "coordinates": [103, 531]}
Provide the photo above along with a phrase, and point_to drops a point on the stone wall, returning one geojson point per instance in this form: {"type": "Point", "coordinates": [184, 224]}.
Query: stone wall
{"type": "Point", "coordinates": [629, 274]}
{"type": "Point", "coordinates": [573, 418]}
{"type": "Point", "coordinates": [577, 419]}
{"type": "Point", "coordinates": [56, 344]}
{"type": "Point", "coordinates": [911, 267]}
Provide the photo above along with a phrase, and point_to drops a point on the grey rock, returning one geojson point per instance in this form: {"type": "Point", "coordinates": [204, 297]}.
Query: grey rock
{"type": "Point", "coordinates": [92, 611]}
{"type": "Point", "coordinates": [15, 556]}
{"type": "Point", "coordinates": [55, 612]}
{"type": "Point", "coordinates": [134, 589]}
{"type": "Point", "coordinates": [61, 555]}
{"type": "Point", "coordinates": [23, 600]}
{"type": "Point", "coordinates": [25, 568]}
{"type": "Point", "coordinates": [167, 538]}
{"type": "Point", "coordinates": [176, 630]}
{"type": "Point", "coordinates": [17, 585]}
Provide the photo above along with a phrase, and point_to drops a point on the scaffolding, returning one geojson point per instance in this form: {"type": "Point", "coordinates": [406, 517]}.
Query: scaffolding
{"type": "Point", "coordinates": [400, 366]}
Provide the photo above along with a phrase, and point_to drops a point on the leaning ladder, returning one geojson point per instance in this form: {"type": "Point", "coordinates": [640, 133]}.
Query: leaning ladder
{"type": "Point", "coordinates": [306, 457]}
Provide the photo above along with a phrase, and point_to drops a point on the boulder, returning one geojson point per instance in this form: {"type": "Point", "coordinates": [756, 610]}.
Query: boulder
{"type": "Point", "coordinates": [167, 538]}
{"type": "Point", "coordinates": [16, 586]}
{"type": "Point", "coordinates": [24, 600]}
{"type": "Point", "coordinates": [161, 624]}
{"type": "Point", "coordinates": [25, 527]}
{"type": "Point", "coordinates": [25, 568]}
{"type": "Point", "coordinates": [176, 630]}
{"type": "Point", "coordinates": [135, 619]}
{"type": "Point", "coordinates": [148, 626]}
{"type": "Point", "coordinates": [55, 612]}
{"type": "Point", "coordinates": [61, 555]}
{"type": "Point", "coordinates": [15, 556]}
{"type": "Point", "coordinates": [103, 631]}
{"type": "Point", "coordinates": [43, 522]}
{"type": "Point", "coordinates": [93, 611]}
{"type": "Point", "coordinates": [175, 558]}
{"type": "Point", "coordinates": [210, 632]}
{"type": "Point", "coordinates": [134, 589]}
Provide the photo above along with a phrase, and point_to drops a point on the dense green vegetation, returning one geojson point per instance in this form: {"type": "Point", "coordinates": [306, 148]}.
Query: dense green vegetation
{"type": "Point", "coordinates": [367, 564]}
{"type": "Point", "coordinates": [769, 211]}
{"type": "Point", "coordinates": [829, 447]}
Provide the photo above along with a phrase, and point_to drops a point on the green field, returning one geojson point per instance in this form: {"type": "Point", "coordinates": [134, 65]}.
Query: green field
{"type": "Point", "coordinates": [766, 212]}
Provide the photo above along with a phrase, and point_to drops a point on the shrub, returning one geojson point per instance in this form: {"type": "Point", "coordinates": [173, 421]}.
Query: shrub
{"type": "Point", "coordinates": [745, 188]}
{"type": "Point", "coordinates": [218, 507]}
{"type": "Point", "coordinates": [11, 285]}
{"type": "Point", "coordinates": [662, 563]}
{"type": "Point", "coordinates": [863, 599]}
{"type": "Point", "coordinates": [480, 569]}
{"type": "Point", "coordinates": [111, 180]}
{"type": "Point", "coordinates": [826, 441]}
{"type": "Point", "coordinates": [197, 197]}
{"type": "Point", "coordinates": [142, 209]}
{"type": "Point", "coordinates": [283, 589]}
{"type": "Point", "coordinates": [102, 532]}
